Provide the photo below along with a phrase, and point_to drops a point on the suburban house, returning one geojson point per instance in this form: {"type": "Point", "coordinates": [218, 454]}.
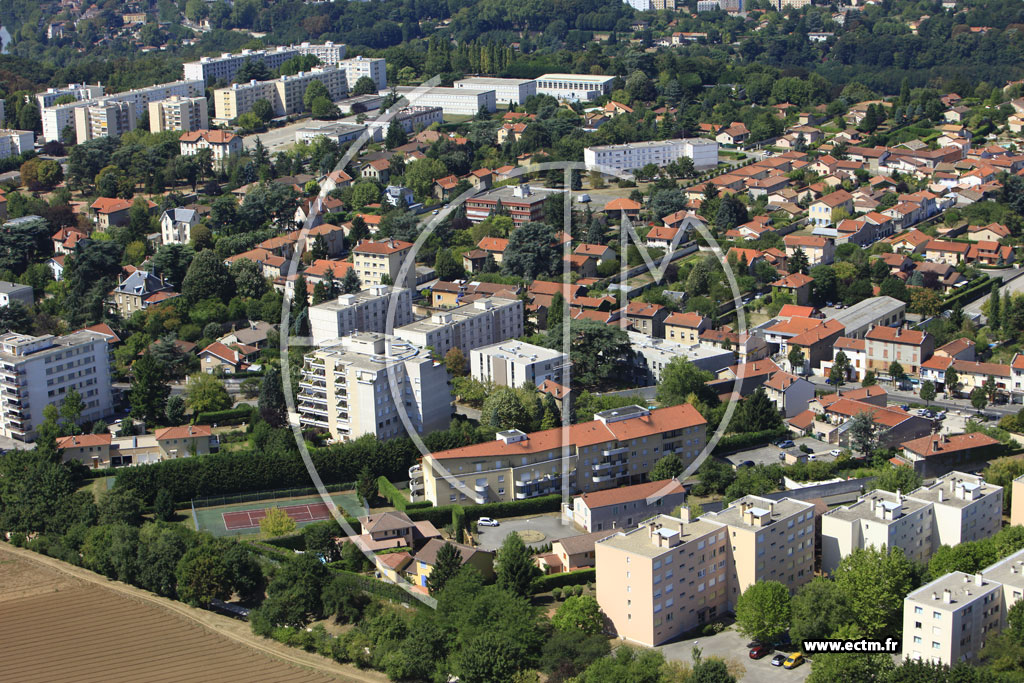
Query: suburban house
{"type": "Point", "coordinates": [797, 285]}
{"type": "Point", "coordinates": [571, 553]}
{"type": "Point", "coordinates": [935, 454]}
{"type": "Point", "coordinates": [824, 210]}
{"type": "Point", "coordinates": [789, 393]}
{"type": "Point", "coordinates": [92, 450]}
{"type": "Point", "coordinates": [176, 225]}
{"type": "Point", "coordinates": [140, 290]}
{"type": "Point", "coordinates": [625, 507]}
{"type": "Point", "coordinates": [819, 250]}
{"type": "Point", "coordinates": [394, 529]}
{"type": "Point", "coordinates": [685, 328]}
{"type": "Point", "coordinates": [220, 358]}
{"type": "Point", "coordinates": [186, 440]}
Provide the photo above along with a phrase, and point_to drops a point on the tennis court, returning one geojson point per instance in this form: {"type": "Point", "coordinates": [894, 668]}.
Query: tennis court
{"type": "Point", "coordinates": [248, 519]}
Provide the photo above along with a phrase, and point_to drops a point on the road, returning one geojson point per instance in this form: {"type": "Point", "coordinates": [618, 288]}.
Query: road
{"type": "Point", "coordinates": [901, 397]}
{"type": "Point", "coordinates": [1015, 285]}
{"type": "Point", "coordinates": [548, 526]}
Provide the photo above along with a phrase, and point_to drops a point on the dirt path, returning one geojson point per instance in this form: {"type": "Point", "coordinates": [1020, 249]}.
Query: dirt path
{"type": "Point", "coordinates": [238, 631]}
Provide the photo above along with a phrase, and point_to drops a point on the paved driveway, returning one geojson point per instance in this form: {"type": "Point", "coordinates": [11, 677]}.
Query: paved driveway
{"type": "Point", "coordinates": [766, 455]}
{"type": "Point", "coordinates": [731, 645]}
{"type": "Point", "coordinates": [490, 538]}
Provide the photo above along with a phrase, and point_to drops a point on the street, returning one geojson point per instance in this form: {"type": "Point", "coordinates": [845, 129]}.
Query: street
{"type": "Point", "coordinates": [1014, 286]}
{"type": "Point", "coordinates": [904, 397]}
{"type": "Point", "coordinates": [730, 645]}
{"type": "Point", "coordinates": [276, 139]}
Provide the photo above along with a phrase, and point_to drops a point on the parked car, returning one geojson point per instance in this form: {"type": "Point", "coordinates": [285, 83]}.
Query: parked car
{"type": "Point", "coordinates": [486, 521]}
{"type": "Point", "coordinates": [812, 456]}
{"type": "Point", "coordinates": [779, 659]}
{"type": "Point", "coordinates": [745, 463]}
{"type": "Point", "coordinates": [583, 198]}
{"type": "Point", "coordinates": [785, 444]}
{"type": "Point", "coordinates": [904, 407]}
{"type": "Point", "coordinates": [759, 651]}
{"type": "Point", "coordinates": [793, 661]}
{"type": "Point", "coordinates": [835, 452]}
{"type": "Point", "coordinates": [941, 415]}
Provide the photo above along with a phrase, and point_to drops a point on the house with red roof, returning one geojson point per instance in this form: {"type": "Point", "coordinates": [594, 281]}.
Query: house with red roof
{"type": "Point", "coordinates": [219, 358]}
{"type": "Point", "coordinates": [495, 246]}
{"type": "Point", "coordinates": [622, 206]}
{"type": "Point", "coordinates": [789, 393]}
{"type": "Point", "coordinates": [797, 285]}
{"type": "Point", "coordinates": [646, 318]}
{"type": "Point", "coordinates": [623, 507]}
{"type": "Point", "coordinates": [685, 328]}
{"type": "Point", "coordinates": [886, 345]}
{"type": "Point", "coordinates": [185, 441]}
{"type": "Point", "coordinates": [937, 454]}
{"type": "Point", "coordinates": [91, 450]}
{"type": "Point", "coordinates": [108, 211]}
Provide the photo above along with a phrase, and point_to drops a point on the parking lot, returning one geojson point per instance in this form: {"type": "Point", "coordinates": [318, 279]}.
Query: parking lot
{"type": "Point", "coordinates": [767, 455]}
{"type": "Point", "coordinates": [730, 645]}
{"type": "Point", "coordinates": [550, 525]}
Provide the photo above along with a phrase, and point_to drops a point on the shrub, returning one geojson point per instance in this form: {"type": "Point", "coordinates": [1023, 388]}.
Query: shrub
{"type": "Point", "coordinates": [577, 576]}
{"type": "Point", "coordinates": [390, 492]}
{"type": "Point", "coordinates": [738, 442]}
{"type": "Point", "coordinates": [556, 593]}
{"type": "Point", "coordinates": [440, 516]}
{"type": "Point", "coordinates": [224, 417]}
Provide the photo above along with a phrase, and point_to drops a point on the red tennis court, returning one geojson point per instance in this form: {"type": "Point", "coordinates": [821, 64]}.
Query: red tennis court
{"type": "Point", "coordinates": [248, 519]}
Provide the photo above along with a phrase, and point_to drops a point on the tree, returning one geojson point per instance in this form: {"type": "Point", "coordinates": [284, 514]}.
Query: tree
{"type": "Point", "coordinates": [681, 378]}
{"type": "Point", "coordinates": [149, 390]}
{"type": "Point", "coordinates": [271, 401]}
{"type": "Point", "coordinates": [898, 478]}
{"type": "Point", "coordinates": [816, 610]}
{"type": "Point", "coordinates": [994, 305]}
{"type": "Point", "coordinates": [951, 382]}
{"type": "Point", "coordinates": [979, 399]}
{"type": "Point", "coordinates": [897, 374]}
{"type": "Point", "coordinates": [276, 523]}
{"type": "Point", "coordinates": [515, 568]}
{"type": "Point", "coordinates": [598, 352]}
{"type": "Point", "coordinates": [119, 506]}
{"type": "Point", "coordinates": [364, 86]}
{"type": "Point", "coordinates": [455, 362]}
{"type": "Point", "coordinates": [71, 411]}
{"type": "Point", "coordinates": [396, 136]}
{"type": "Point", "coordinates": [556, 309]}
{"type": "Point", "coordinates": [874, 583]}
{"type": "Point", "coordinates": [315, 89]}
{"type": "Point", "coordinates": [248, 277]}
{"type": "Point", "coordinates": [203, 576]}
{"type": "Point", "coordinates": [447, 268]}
{"type": "Point", "coordinates": [796, 360]}
{"type": "Point", "coordinates": [580, 613]}
{"type": "Point", "coordinates": [757, 413]}
{"type": "Point", "coordinates": [366, 486]}
{"type": "Point", "coordinates": [869, 379]}
{"type": "Point", "coordinates": [205, 393]}
{"type": "Point", "coordinates": [840, 370]}
{"type": "Point", "coordinates": [763, 611]}
{"type": "Point", "coordinates": [505, 409]}
{"type": "Point", "coordinates": [991, 390]}
{"type": "Point", "coordinates": [420, 175]}
{"type": "Point", "coordinates": [928, 392]}
{"type": "Point", "coordinates": [163, 505]}
{"type": "Point", "coordinates": [797, 262]}
{"type": "Point", "coordinates": [667, 467]}
{"type": "Point", "coordinates": [863, 432]}
{"type": "Point", "coordinates": [531, 251]}
{"type": "Point", "coordinates": [863, 667]}
{"type": "Point", "coordinates": [447, 565]}
{"type": "Point", "coordinates": [207, 277]}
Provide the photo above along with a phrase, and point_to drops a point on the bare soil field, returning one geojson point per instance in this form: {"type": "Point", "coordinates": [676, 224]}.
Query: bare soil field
{"type": "Point", "coordinates": [63, 623]}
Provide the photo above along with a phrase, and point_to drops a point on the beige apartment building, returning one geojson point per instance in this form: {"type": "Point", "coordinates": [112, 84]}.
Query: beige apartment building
{"type": "Point", "coordinates": [966, 508]}
{"type": "Point", "coordinates": [284, 93]}
{"type": "Point", "coordinates": [617, 448]}
{"type": "Point", "coordinates": [1017, 501]}
{"type": "Point", "coordinates": [909, 348]}
{"type": "Point", "coordinates": [663, 578]}
{"type": "Point", "coordinates": [484, 322]}
{"type": "Point", "coordinates": [178, 113]}
{"type": "Point", "coordinates": [771, 540]}
{"type": "Point", "coordinates": [351, 387]}
{"type": "Point", "coordinates": [104, 118]}
{"type": "Point", "coordinates": [374, 260]}
{"type": "Point", "coordinates": [881, 519]}
{"type": "Point", "coordinates": [949, 619]}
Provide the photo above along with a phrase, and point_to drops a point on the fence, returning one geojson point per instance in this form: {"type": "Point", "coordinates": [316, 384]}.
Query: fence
{"type": "Point", "coordinates": [256, 496]}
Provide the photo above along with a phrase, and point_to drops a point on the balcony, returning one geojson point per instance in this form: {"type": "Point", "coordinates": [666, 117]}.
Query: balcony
{"type": "Point", "coordinates": [415, 487]}
{"type": "Point", "coordinates": [313, 386]}
{"type": "Point", "coordinates": [313, 421]}
{"type": "Point", "coordinates": [316, 410]}
{"type": "Point", "coordinates": [608, 464]}
{"type": "Point", "coordinates": [608, 476]}
{"type": "Point", "coordinates": [614, 451]}
{"type": "Point", "coordinates": [416, 472]}
{"type": "Point", "coordinates": [480, 486]}
{"type": "Point", "coordinates": [313, 398]}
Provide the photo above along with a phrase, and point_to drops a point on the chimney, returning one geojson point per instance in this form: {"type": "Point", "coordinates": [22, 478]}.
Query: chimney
{"type": "Point", "coordinates": [947, 596]}
{"type": "Point", "coordinates": [942, 496]}
{"type": "Point", "coordinates": [935, 596]}
{"type": "Point", "coordinates": [979, 580]}
{"type": "Point", "coordinates": [899, 496]}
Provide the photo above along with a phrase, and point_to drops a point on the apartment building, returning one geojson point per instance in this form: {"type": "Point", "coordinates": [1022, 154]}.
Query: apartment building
{"type": "Point", "coordinates": [514, 363]}
{"type": "Point", "coordinates": [624, 507]}
{"type": "Point", "coordinates": [948, 620]}
{"type": "Point", "coordinates": [58, 117]}
{"type": "Point", "coordinates": [521, 203]}
{"type": "Point", "coordinates": [358, 384]}
{"type": "Point", "coordinates": [454, 101]}
{"type": "Point", "coordinates": [486, 321]}
{"type": "Point", "coordinates": [221, 142]}
{"type": "Point", "coordinates": [79, 91]}
{"type": "Point", "coordinates": [226, 66]}
{"type": "Point", "coordinates": [618, 447]}
{"type": "Point", "coordinates": [364, 311]}
{"type": "Point", "coordinates": [374, 68]}
{"type": "Point", "coordinates": [664, 578]}
{"type": "Point", "coordinates": [12, 292]}
{"type": "Point", "coordinates": [881, 519]}
{"type": "Point", "coordinates": [284, 93]}
{"type": "Point", "coordinates": [15, 142]}
{"type": "Point", "coordinates": [104, 118]}
{"type": "Point", "coordinates": [770, 540]}
{"type": "Point", "coordinates": [411, 119]}
{"type": "Point", "coordinates": [39, 371]}
{"type": "Point", "coordinates": [574, 86]}
{"type": "Point", "coordinates": [378, 263]}
{"type": "Point", "coordinates": [178, 113]}
{"type": "Point", "coordinates": [909, 348]}
{"type": "Point", "coordinates": [633, 155]}
{"type": "Point", "coordinates": [651, 355]}
{"type": "Point", "coordinates": [510, 90]}
{"type": "Point", "coordinates": [966, 508]}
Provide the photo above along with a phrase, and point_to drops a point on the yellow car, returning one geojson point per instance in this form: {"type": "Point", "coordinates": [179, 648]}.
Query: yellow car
{"type": "Point", "coordinates": [793, 661]}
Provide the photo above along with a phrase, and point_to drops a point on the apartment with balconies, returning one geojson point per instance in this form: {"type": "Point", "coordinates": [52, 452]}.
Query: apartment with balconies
{"type": "Point", "coordinates": [104, 118]}
{"type": "Point", "coordinates": [619, 447]}
{"type": "Point", "coordinates": [364, 311]}
{"type": "Point", "coordinates": [178, 113]}
{"type": "Point", "coordinates": [365, 382]}
{"type": "Point", "coordinates": [285, 94]}
{"type": "Point", "coordinates": [664, 578]}
{"type": "Point", "coordinates": [40, 371]}
{"type": "Point", "coordinates": [486, 321]}
{"type": "Point", "coordinates": [770, 540]}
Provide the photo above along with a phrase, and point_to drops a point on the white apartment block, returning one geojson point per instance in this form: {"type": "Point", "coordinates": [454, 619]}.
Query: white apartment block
{"type": "Point", "coordinates": [104, 118]}
{"type": "Point", "coordinates": [574, 86]}
{"type": "Point", "coordinates": [284, 93]}
{"type": "Point", "coordinates": [513, 363]}
{"type": "Point", "coordinates": [484, 322]}
{"type": "Point", "coordinates": [633, 155]}
{"type": "Point", "coordinates": [966, 508]}
{"type": "Point", "coordinates": [15, 142]}
{"type": "Point", "coordinates": [948, 620]}
{"type": "Point", "coordinates": [365, 311]}
{"type": "Point", "coordinates": [374, 68]}
{"type": "Point", "coordinates": [59, 117]}
{"type": "Point", "coordinates": [506, 90]}
{"type": "Point", "coordinates": [226, 66]}
{"type": "Point", "coordinates": [651, 355]}
{"type": "Point", "coordinates": [349, 387]}
{"type": "Point", "coordinates": [455, 101]}
{"type": "Point", "coordinates": [39, 371]}
{"type": "Point", "coordinates": [411, 119]}
{"type": "Point", "coordinates": [178, 113]}
{"type": "Point", "coordinates": [770, 540]}
{"type": "Point", "coordinates": [664, 578]}
{"type": "Point", "coordinates": [80, 91]}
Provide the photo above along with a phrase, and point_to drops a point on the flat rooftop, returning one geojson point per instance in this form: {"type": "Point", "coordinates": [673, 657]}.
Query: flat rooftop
{"type": "Point", "coordinates": [862, 509]}
{"type": "Point", "coordinates": [639, 541]}
{"type": "Point", "coordinates": [868, 311]}
{"type": "Point", "coordinates": [1009, 570]}
{"type": "Point", "coordinates": [952, 487]}
{"type": "Point", "coordinates": [653, 143]}
{"type": "Point", "coordinates": [349, 300]}
{"type": "Point", "coordinates": [581, 78]}
{"type": "Point", "coordinates": [519, 351]}
{"type": "Point", "coordinates": [485, 80]}
{"type": "Point", "coordinates": [777, 509]}
{"type": "Point", "coordinates": [963, 588]}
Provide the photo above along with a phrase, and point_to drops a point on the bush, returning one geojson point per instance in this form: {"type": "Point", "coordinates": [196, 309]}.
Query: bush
{"type": "Point", "coordinates": [224, 417]}
{"type": "Point", "coordinates": [739, 442]}
{"type": "Point", "coordinates": [575, 577]}
{"type": "Point", "coordinates": [713, 628]}
{"type": "Point", "coordinates": [441, 516]}
{"type": "Point", "coordinates": [556, 593]}
{"type": "Point", "coordinates": [390, 492]}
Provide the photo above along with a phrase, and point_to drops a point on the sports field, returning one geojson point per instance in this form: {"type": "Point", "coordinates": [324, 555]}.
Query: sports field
{"type": "Point", "coordinates": [244, 518]}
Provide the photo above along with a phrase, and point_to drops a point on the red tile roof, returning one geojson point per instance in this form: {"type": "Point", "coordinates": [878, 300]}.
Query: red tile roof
{"type": "Point", "coordinates": [937, 445]}
{"type": "Point", "coordinates": [896, 335]}
{"type": "Point", "coordinates": [84, 440]}
{"type": "Point", "coordinates": [626, 494]}
{"type": "Point", "coordinates": [384, 247]}
{"type": "Point", "coordinates": [183, 432]}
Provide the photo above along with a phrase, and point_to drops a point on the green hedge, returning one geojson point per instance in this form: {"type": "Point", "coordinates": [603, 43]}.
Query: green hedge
{"type": "Point", "coordinates": [388, 591]}
{"type": "Point", "coordinates": [389, 492]}
{"type": "Point", "coordinates": [419, 505]}
{"type": "Point", "coordinates": [737, 442]}
{"type": "Point", "coordinates": [459, 523]}
{"type": "Point", "coordinates": [970, 293]}
{"type": "Point", "coordinates": [573, 578]}
{"type": "Point", "coordinates": [441, 516]}
{"type": "Point", "coordinates": [224, 417]}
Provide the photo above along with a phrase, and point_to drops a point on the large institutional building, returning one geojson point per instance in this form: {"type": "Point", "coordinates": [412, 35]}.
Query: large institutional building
{"type": "Point", "coordinates": [574, 86]}
{"type": "Point", "coordinates": [284, 93]}
{"type": "Point", "coordinates": [633, 155]}
{"type": "Point", "coordinates": [510, 90]}
{"type": "Point", "coordinates": [225, 67]}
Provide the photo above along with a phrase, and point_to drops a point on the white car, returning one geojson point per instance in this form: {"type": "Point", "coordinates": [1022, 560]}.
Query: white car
{"type": "Point", "coordinates": [812, 456]}
{"type": "Point", "coordinates": [835, 452]}
{"type": "Point", "coordinates": [486, 521]}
